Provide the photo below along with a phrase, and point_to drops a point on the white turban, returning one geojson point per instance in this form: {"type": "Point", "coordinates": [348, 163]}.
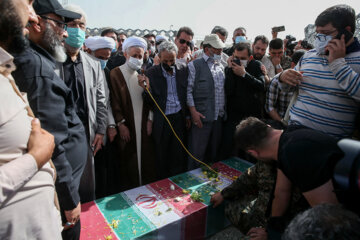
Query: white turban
{"type": "Point", "coordinates": [160, 38]}
{"type": "Point", "coordinates": [97, 42]}
{"type": "Point", "coordinates": [134, 42]}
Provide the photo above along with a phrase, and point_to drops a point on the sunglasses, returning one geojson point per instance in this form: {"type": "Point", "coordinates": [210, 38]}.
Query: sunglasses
{"type": "Point", "coordinates": [152, 42]}
{"type": "Point", "coordinates": [182, 41]}
{"type": "Point", "coordinates": [58, 23]}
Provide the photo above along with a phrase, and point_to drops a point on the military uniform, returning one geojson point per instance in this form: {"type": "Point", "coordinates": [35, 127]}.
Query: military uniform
{"type": "Point", "coordinates": [249, 198]}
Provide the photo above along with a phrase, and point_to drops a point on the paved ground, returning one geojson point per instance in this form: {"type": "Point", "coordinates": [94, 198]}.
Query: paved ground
{"type": "Point", "coordinates": [230, 233]}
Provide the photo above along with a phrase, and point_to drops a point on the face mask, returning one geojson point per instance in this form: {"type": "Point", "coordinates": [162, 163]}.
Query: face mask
{"type": "Point", "coordinates": [76, 37]}
{"type": "Point", "coordinates": [152, 49]}
{"type": "Point", "coordinates": [244, 62]}
{"type": "Point", "coordinates": [167, 67]}
{"type": "Point", "coordinates": [239, 39]}
{"type": "Point", "coordinates": [321, 41]}
{"type": "Point", "coordinates": [217, 57]}
{"type": "Point", "coordinates": [114, 50]}
{"type": "Point", "coordinates": [135, 64]}
{"type": "Point", "coordinates": [103, 63]}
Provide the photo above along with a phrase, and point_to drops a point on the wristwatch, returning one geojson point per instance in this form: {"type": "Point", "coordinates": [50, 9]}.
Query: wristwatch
{"type": "Point", "coordinates": [112, 126]}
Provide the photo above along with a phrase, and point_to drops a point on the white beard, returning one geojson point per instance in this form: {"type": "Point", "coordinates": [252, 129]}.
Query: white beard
{"type": "Point", "coordinates": [60, 54]}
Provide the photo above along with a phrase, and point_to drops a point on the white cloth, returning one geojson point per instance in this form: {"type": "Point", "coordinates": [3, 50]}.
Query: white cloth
{"type": "Point", "coordinates": [134, 42]}
{"type": "Point", "coordinates": [97, 42]}
{"type": "Point", "coordinates": [160, 38]}
{"type": "Point", "coordinates": [269, 66]}
{"type": "Point", "coordinates": [136, 92]}
{"type": "Point", "coordinates": [27, 209]}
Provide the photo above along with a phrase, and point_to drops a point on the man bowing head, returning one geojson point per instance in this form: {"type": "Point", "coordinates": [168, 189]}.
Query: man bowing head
{"type": "Point", "coordinates": [132, 117]}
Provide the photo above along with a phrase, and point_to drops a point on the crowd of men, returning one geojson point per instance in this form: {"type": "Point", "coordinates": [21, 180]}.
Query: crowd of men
{"type": "Point", "coordinates": [100, 106]}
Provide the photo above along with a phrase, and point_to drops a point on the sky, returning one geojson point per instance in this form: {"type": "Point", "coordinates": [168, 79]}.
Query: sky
{"type": "Point", "coordinates": [257, 16]}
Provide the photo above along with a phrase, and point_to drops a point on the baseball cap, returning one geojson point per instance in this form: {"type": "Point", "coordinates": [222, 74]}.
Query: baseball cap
{"type": "Point", "coordinates": [42, 7]}
{"type": "Point", "coordinates": [214, 41]}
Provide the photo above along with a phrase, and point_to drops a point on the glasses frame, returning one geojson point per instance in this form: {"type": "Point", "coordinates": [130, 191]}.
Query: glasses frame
{"type": "Point", "coordinates": [59, 24]}
{"type": "Point", "coordinates": [322, 37]}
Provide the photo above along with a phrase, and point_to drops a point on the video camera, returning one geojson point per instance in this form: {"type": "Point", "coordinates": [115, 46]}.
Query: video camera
{"type": "Point", "coordinates": [347, 175]}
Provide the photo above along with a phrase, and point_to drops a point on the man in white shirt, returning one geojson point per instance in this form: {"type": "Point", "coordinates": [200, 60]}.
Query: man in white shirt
{"type": "Point", "coordinates": [26, 178]}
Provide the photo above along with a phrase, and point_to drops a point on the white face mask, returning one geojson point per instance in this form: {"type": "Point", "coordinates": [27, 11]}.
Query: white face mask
{"type": "Point", "coordinates": [134, 63]}
{"type": "Point", "coordinates": [217, 57]}
{"type": "Point", "coordinates": [321, 41]}
{"type": "Point", "coordinates": [244, 63]}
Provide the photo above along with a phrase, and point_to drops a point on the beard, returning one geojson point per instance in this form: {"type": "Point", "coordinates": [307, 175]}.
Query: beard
{"type": "Point", "coordinates": [258, 56]}
{"type": "Point", "coordinates": [11, 29]}
{"type": "Point", "coordinates": [52, 43]}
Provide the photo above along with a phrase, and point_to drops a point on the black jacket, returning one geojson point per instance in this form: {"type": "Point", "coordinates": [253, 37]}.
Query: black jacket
{"type": "Point", "coordinates": [245, 95]}
{"type": "Point", "coordinates": [158, 86]}
{"type": "Point", "coordinates": [51, 101]}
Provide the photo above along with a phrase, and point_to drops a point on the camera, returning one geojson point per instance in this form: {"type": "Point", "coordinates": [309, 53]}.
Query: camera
{"type": "Point", "coordinates": [306, 45]}
{"type": "Point", "coordinates": [290, 38]}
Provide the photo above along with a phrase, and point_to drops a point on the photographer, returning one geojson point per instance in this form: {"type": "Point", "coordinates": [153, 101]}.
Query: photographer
{"type": "Point", "coordinates": [290, 44]}
{"type": "Point", "coordinates": [244, 91]}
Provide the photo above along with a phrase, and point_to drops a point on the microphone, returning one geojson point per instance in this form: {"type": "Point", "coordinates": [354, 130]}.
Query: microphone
{"type": "Point", "coordinates": [141, 71]}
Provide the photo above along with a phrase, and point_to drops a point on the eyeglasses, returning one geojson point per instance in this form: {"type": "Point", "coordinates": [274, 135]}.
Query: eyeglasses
{"type": "Point", "coordinates": [152, 42]}
{"type": "Point", "coordinates": [182, 41]}
{"type": "Point", "coordinates": [324, 37]}
{"type": "Point", "coordinates": [60, 24]}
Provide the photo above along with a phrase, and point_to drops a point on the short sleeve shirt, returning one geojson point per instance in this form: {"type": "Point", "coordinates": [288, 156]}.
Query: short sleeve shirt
{"type": "Point", "coordinates": [307, 157]}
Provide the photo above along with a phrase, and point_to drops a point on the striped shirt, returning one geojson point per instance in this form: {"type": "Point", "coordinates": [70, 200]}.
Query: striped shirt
{"type": "Point", "coordinates": [217, 71]}
{"type": "Point", "coordinates": [172, 101]}
{"type": "Point", "coordinates": [329, 94]}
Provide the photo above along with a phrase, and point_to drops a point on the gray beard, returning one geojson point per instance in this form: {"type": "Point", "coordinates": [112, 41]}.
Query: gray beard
{"type": "Point", "coordinates": [53, 44]}
{"type": "Point", "coordinates": [60, 54]}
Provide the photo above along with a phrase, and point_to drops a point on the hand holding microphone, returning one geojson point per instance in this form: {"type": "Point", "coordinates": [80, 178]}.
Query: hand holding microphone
{"type": "Point", "coordinates": [143, 81]}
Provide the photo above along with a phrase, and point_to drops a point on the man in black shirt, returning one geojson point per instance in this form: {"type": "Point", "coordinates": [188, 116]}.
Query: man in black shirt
{"type": "Point", "coordinates": [244, 91]}
{"type": "Point", "coordinates": [306, 159]}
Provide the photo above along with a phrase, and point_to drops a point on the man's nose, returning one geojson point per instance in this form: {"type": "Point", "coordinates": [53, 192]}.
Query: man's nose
{"type": "Point", "coordinates": [65, 34]}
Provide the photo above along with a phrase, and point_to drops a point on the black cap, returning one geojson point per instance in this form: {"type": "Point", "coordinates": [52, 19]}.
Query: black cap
{"type": "Point", "coordinates": [42, 7]}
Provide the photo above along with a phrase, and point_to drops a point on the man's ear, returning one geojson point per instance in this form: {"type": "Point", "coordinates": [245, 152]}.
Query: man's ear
{"type": "Point", "coordinates": [253, 153]}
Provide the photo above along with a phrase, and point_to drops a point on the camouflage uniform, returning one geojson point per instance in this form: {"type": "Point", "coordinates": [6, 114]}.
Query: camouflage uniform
{"type": "Point", "coordinates": [249, 197]}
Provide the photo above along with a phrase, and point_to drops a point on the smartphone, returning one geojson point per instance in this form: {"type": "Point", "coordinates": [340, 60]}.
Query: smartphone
{"type": "Point", "coordinates": [348, 36]}
{"type": "Point", "coordinates": [237, 61]}
{"type": "Point", "coordinates": [279, 29]}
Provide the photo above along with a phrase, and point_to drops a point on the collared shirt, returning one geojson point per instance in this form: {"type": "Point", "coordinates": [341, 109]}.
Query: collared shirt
{"type": "Point", "coordinates": [276, 99]}
{"type": "Point", "coordinates": [75, 80]}
{"type": "Point", "coordinates": [172, 101]}
{"type": "Point", "coordinates": [217, 71]}
{"type": "Point", "coordinates": [224, 57]}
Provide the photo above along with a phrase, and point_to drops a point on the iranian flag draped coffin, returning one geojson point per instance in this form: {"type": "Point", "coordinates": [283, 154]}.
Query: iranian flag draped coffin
{"type": "Point", "coordinates": [164, 209]}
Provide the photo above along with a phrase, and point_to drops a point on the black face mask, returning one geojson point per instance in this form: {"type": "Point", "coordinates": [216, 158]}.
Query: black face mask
{"type": "Point", "coordinates": [167, 67]}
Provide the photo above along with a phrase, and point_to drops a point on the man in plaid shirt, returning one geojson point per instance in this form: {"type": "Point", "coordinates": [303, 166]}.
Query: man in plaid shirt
{"type": "Point", "coordinates": [277, 101]}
